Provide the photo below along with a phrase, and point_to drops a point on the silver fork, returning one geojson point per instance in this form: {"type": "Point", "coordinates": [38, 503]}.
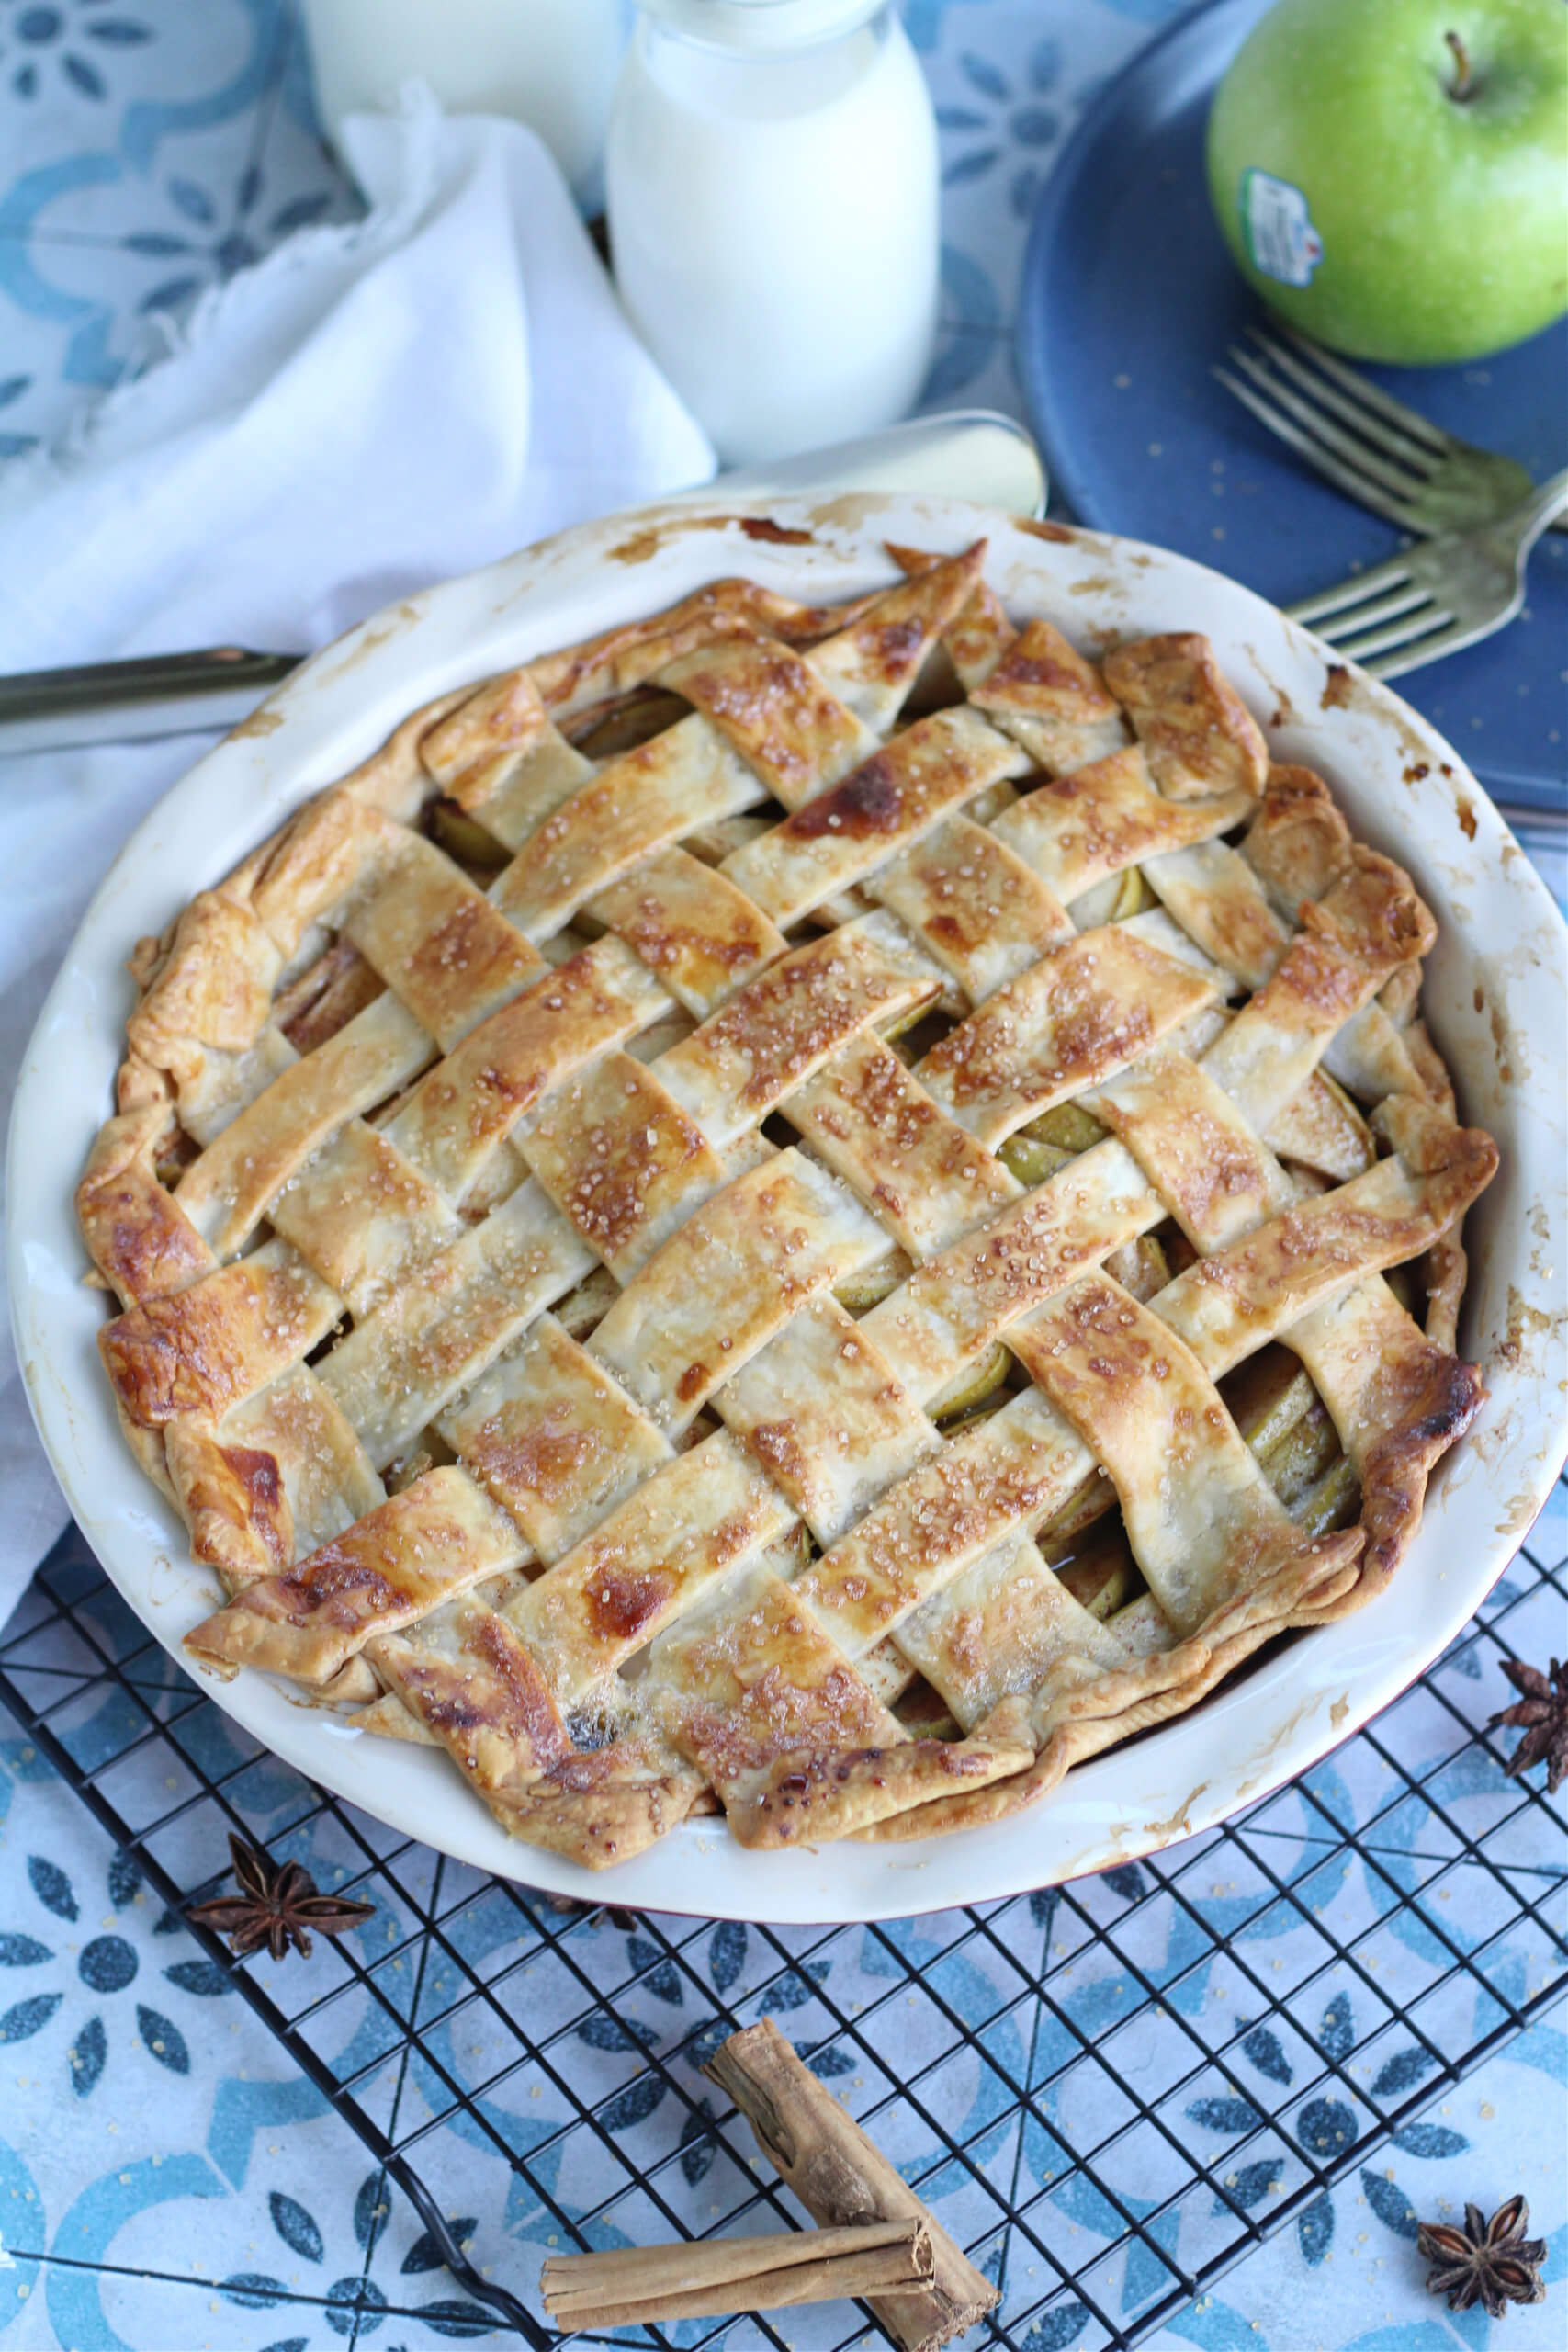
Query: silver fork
{"type": "Point", "coordinates": [1439, 594]}
{"type": "Point", "coordinates": [1366, 443]}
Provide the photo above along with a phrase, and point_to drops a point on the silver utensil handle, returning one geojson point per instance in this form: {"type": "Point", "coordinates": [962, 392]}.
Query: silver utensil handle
{"type": "Point", "coordinates": [975, 454]}
{"type": "Point", "coordinates": [159, 694]}
{"type": "Point", "coordinates": [1547, 504]}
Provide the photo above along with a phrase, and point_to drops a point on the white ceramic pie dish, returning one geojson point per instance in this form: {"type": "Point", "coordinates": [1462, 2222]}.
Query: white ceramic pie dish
{"type": "Point", "coordinates": [1494, 1000]}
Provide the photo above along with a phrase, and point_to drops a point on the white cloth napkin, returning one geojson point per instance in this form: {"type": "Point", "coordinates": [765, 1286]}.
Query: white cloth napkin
{"type": "Point", "coordinates": [368, 410]}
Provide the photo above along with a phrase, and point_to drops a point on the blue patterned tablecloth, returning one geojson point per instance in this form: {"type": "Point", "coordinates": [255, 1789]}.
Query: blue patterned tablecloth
{"type": "Point", "coordinates": [156, 2149]}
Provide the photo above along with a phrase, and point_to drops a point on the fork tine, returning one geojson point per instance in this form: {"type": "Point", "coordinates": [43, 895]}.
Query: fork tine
{"type": "Point", "coordinates": [1360, 615]}
{"type": "Point", "coordinates": [1357, 486]}
{"type": "Point", "coordinates": [1409, 420]}
{"type": "Point", "coordinates": [1416, 628]}
{"type": "Point", "coordinates": [1354, 590]}
{"type": "Point", "coordinates": [1423, 649]}
{"type": "Point", "coordinates": [1418, 458]}
{"type": "Point", "coordinates": [1459, 634]}
{"type": "Point", "coordinates": [1395, 480]}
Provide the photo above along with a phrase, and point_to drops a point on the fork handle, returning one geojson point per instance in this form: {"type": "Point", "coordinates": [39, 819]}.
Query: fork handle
{"type": "Point", "coordinates": [1531, 517]}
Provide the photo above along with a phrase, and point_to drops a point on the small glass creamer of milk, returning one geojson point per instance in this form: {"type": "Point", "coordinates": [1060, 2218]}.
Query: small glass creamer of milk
{"type": "Point", "coordinates": [551, 64]}
{"type": "Point", "coordinates": [771, 180]}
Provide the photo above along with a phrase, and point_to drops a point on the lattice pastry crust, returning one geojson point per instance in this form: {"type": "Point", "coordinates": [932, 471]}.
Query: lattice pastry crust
{"type": "Point", "coordinates": [657, 1221]}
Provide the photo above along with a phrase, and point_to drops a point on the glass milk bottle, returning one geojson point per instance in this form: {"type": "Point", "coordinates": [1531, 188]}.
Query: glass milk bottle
{"type": "Point", "coordinates": [771, 180]}
{"type": "Point", "coordinates": [551, 64]}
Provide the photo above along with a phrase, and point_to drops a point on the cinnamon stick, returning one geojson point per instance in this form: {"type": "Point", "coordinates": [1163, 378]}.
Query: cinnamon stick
{"type": "Point", "coordinates": [637, 2286]}
{"type": "Point", "coordinates": [841, 2177]}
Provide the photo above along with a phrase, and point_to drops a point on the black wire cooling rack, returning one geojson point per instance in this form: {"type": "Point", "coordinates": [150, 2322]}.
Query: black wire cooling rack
{"type": "Point", "coordinates": [1111, 2091]}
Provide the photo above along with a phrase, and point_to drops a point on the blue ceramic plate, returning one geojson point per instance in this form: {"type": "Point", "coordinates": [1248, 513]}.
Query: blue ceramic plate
{"type": "Point", "coordinates": [1129, 297]}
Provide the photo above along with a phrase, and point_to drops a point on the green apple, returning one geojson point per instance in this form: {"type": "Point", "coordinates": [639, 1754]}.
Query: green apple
{"type": "Point", "coordinates": [1392, 175]}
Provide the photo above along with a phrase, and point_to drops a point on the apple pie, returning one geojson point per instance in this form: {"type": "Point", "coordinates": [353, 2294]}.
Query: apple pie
{"type": "Point", "coordinates": [808, 1212]}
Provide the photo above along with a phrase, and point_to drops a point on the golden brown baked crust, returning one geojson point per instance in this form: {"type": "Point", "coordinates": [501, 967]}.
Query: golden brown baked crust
{"type": "Point", "coordinates": [824, 1262]}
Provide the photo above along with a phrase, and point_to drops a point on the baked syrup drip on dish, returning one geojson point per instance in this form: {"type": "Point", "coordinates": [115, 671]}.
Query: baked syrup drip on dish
{"type": "Point", "coordinates": [791, 1211]}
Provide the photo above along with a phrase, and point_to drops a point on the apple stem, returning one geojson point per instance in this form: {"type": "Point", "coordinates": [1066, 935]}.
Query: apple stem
{"type": "Point", "coordinates": [1459, 88]}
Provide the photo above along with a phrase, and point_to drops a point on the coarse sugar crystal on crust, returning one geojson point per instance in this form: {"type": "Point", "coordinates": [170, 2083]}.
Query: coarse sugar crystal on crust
{"type": "Point", "coordinates": [819, 1211]}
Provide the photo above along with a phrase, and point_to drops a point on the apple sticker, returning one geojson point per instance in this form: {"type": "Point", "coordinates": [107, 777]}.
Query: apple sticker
{"type": "Point", "coordinates": [1276, 226]}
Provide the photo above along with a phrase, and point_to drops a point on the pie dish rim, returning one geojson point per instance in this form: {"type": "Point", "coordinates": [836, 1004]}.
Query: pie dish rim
{"type": "Point", "coordinates": [620, 569]}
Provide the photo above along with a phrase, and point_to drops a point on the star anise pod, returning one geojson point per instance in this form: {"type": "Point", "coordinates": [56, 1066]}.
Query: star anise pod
{"type": "Point", "coordinates": [1542, 1715]}
{"type": "Point", "coordinates": [277, 1905]}
{"type": "Point", "coordinates": [1491, 2263]}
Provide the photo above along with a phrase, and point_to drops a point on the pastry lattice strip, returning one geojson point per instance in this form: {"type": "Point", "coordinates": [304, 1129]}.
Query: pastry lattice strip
{"type": "Point", "coordinates": [759, 1678]}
